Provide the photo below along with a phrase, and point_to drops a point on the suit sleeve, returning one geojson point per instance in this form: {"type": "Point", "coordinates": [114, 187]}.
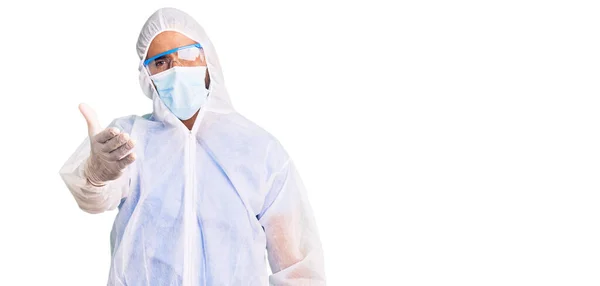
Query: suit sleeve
{"type": "Point", "coordinates": [293, 245]}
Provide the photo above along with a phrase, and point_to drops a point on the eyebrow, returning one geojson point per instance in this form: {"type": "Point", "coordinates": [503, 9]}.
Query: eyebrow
{"type": "Point", "coordinates": [159, 58]}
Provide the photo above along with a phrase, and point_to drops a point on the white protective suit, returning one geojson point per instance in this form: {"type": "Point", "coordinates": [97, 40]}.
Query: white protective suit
{"type": "Point", "coordinates": [200, 207]}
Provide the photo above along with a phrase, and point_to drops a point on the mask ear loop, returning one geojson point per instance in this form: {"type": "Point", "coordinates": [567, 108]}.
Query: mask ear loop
{"type": "Point", "coordinates": [205, 60]}
{"type": "Point", "coordinates": [150, 82]}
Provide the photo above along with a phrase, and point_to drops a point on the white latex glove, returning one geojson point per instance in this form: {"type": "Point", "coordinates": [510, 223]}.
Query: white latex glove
{"type": "Point", "coordinates": [110, 150]}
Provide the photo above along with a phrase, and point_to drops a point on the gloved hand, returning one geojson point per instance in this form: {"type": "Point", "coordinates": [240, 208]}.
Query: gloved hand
{"type": "Point", "coordinates": [109, 150]}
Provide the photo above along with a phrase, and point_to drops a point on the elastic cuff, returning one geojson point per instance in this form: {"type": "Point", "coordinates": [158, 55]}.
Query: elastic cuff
{"type": "Point", "coordinates": [94, 184]}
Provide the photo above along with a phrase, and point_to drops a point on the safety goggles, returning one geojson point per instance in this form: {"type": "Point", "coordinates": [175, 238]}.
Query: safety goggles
{"type": "Point", "coordinates": [187, 56]}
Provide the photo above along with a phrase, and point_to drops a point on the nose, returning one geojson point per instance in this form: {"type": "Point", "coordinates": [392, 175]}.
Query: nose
{"type": "Point", "coordinates": [175, 63]}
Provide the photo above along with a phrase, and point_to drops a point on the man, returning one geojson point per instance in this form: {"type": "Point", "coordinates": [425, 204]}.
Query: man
{"type": "Point", "coordinates": [201, 190]}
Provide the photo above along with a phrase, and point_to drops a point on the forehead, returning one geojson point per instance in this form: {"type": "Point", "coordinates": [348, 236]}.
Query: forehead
{"type": "Point", "coordinates": [167, 40]}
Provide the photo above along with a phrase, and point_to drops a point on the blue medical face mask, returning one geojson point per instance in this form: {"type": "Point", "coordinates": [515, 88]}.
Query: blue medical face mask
{"type": "Point", "coordinates": [182, 89]}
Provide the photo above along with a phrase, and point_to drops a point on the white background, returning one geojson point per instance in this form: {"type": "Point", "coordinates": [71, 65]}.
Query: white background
{"type": "Point", "coordinates": [441, 143]}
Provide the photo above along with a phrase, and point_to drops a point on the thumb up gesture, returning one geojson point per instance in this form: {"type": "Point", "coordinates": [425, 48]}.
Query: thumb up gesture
{"type": "Point", "coordinates": [110, 150]}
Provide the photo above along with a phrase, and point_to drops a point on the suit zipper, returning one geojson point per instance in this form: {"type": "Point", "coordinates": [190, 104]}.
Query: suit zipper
{"type": "Point", "coordinates": [188, 258]}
